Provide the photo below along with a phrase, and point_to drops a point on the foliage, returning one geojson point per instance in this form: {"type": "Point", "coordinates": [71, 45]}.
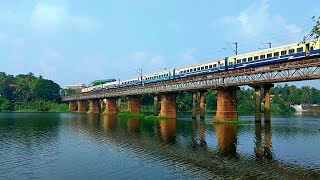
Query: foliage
{"type": "Point", "coordinates": [25, 92]}
{"type": "Point", "coordinates": [5, 105]}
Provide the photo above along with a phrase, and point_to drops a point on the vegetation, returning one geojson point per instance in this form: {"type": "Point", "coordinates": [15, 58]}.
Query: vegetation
{"type": "Point", "coordinates": [27, 93]}
{"type": "Point", "coordinates": [127, 115]}
{"type": "Point", "coordinates": [230, 122]}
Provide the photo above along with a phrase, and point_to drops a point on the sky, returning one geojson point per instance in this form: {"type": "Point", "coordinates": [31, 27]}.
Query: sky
{"type": "Point", "coordinates": [72, 42]}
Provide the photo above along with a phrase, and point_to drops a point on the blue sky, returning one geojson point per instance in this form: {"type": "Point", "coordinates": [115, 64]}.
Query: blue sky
{"type": "Point", "coordinates": [75, 41]}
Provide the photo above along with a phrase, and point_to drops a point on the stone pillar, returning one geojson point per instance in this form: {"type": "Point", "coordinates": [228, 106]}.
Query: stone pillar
{"type": "Point", "coordinates": [227, 105]}
{"type": "Point", "coordinates": [82, 106]}
{"type": "Point", "coordinates": [119, 104]}
{"type": "Point", "coordinates": [111, 106]}
{"type": "Point", "coordinates": [194, 105]}
{"type": "Point", "coordinates": [267, 103]}
{"type": "Point", "coordinates": [202, 105]}
{"type": "Point", "coordinates": [155, 105]}
{"type": "Point", "coordinates": [258, 104]}
{"type": "Point", "coordinates": [134, 104]}
{"type": "Point", "coordinates": [72, 106]}
{"type": "Point", "coordinates": [168, 105]}
{"type": "Point", "coordinates": [94, 106]}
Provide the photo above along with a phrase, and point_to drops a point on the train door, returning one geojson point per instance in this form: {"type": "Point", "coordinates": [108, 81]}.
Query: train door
{"type": "Point", "coordinates": [308, 49]}
{"type": "Point", "coordinates": [219, 65]}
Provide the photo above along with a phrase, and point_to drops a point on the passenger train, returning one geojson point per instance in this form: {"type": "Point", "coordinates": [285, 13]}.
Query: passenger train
{"type": "Point", "coordinates": [252, 59]}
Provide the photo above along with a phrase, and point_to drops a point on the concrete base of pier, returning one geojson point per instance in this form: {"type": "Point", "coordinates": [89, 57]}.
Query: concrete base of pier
{"type": "Point", "coordinates": [111, 106]}
{"type": "Point", "coordinates": [168, 105]}
{"type": "Point", "coordinates": [94, 106]}
{"type": "Point", "coordinates": [202, 104]}
{"type": "Point", "coordinates": [134, 104]}
{"type": "Point", "coordinates": [82, 106]}
{"type": "Point", "coordinates": [72, 106]}
{"type": "Point", "coordinates": [227, 105]}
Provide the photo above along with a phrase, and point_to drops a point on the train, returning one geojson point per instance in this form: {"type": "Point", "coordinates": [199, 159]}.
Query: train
{"type": "Point", "coordinates": [253, 59]}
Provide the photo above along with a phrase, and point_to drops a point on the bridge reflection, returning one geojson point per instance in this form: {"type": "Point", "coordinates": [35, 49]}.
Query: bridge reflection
{"type": "Point", "coordinates": [178, 135]}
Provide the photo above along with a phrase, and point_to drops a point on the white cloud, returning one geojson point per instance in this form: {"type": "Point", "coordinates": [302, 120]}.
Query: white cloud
{"type": "Point", "coordinates": [256, 21]}
{"type": "Point", "coordinates": [51, 17]}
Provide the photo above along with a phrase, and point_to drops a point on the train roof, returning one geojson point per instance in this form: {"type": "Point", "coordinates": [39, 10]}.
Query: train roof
{"type": "Point", "coordinates": [203, 63]}
{"type": "Point", "coordinates": [267, 49]}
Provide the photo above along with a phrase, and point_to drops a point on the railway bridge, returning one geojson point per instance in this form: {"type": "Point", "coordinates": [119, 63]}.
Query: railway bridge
{"type": "Point", "coordinates": [225, 82]}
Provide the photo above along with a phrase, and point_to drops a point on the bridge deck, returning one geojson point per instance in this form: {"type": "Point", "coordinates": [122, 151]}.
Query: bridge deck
{"type": "Point", "coordinates": [296, 70]}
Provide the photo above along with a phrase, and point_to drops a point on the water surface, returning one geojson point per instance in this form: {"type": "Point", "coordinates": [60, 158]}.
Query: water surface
{"type": "Point", "coordinates": [84, 146]}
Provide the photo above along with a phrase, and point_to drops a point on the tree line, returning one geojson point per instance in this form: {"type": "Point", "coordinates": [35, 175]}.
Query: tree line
{"type": "Point", "coordinates": [26, 92]}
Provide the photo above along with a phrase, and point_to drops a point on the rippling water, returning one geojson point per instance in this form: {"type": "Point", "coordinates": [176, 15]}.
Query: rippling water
{"type": "Point", "coordinates": [83, 146]}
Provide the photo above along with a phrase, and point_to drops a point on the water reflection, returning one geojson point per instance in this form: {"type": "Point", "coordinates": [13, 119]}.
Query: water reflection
{"type": "Point", "coordinates": [266, 152]}
{"type": "Point", "coordinates": [133, 125]}
{"type": "Point", "coordinates": [227, 138]}
{"type": "Point", "coordinates": [109, 121]}
{"type": "Point", "coordinates": [105, 146]}
{"type": "Point", "coordinates": [168, 130]}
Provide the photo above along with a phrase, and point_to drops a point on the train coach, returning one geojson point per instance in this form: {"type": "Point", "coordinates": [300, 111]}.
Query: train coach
{"type": "Point", "coordinates": [252, 59]}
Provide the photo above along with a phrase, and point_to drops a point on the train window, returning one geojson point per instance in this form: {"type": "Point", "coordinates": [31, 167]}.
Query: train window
{"type": "Point", "coordinates": [269, 55]}
{"type": "Point", "coordinates": [256, 58]}
{"type": "Point", "coordinates": [238, 60]}
{"type": "Point", "coordinates": [215, 65]}
{"type": "Point", "coordinates": [191, 70]}
{"type": "Point", "coordinates": [198, 68]}
{"type": "Point", "coordinates": [202, 68]}
{"type": "Point", "coordinates": [244, 60]}
{"type": "Point", "coordinates": [262, 56]}
{"type": "Point", "coordinates": [188, 70]}
{"type": "Point", "coordinates": [230, 63]}
{"type": "Point", "coordinates": [210, 66]}
{"type": "Point", "coordinates": [291, 51]}
{"type": "Point", "coordinates": [222, 64]}
{"type": "Point", "coordinates": [195, 69]}
{"type": "Point", "coordinates": [206, 67]}
{"type": "Point", "coordinates": [250, 59]}
{"type": "Point", "coordinates": [184, 71]}
{"type": "Point", "coordinates": [276, 54]}
{"type": "Point", "coordinates": [283, 53]}
{"type": "Point", "coordinates": [311, 49]}
{"type": "Point", "coordinates": [300, 49]}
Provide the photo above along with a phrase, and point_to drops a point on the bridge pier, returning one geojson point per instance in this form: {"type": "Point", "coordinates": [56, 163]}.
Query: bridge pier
{"type": "Point", "coordinates": [156, 105]}
{"type": "Point", "coordinates": [134, 104]}
{"type": "Point", "coordinates": [267, 103]}
{"type": "Point", "coordinates": [111, 106]}
{"type": "Point", "coordinates": [202, 105]}
{"type": "Point", "coordinates": [82, 106]}
{"type": "Point", "coordinates": [72, 106]}
{"type": "Point", "coordinates": [258, 104]}
{"type": "Point", "coordinates": [168, 105]}
{"type": "Point", "coordinates": [94, 106]}
{"type": "Point", "coordinates": [227, 105]}
{"type": "Point", "coordinates": [194, 104]}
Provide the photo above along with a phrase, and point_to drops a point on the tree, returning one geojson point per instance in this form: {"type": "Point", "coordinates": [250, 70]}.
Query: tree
{"type": "Point", "coordinates": [46, 90]}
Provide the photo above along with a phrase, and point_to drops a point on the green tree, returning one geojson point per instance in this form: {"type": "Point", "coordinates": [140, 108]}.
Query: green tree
{"type": "Point", "coordinates": [5, 104]}
{"type": "Point", "coordinates": [46, 90]}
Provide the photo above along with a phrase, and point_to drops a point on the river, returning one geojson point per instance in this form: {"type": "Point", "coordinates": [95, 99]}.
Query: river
{"type": "Point", "coordinates": [84, 146]}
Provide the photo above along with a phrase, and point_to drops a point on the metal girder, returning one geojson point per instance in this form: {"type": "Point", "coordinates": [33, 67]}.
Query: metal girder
{"type": "Point", "coordinates": [298, 70]}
